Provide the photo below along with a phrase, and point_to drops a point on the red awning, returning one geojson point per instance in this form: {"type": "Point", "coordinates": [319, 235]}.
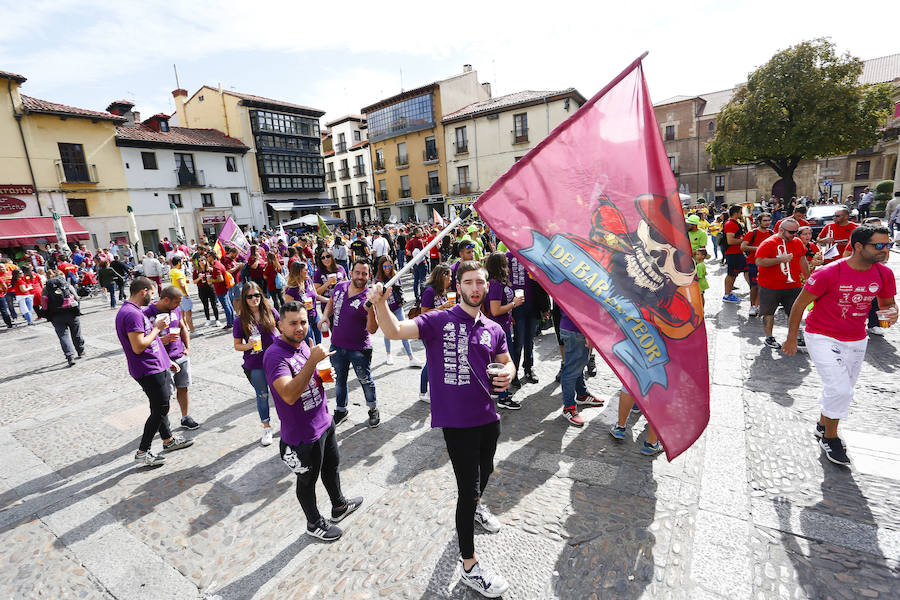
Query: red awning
{"type": "Point", "coordinates": [23, 231]}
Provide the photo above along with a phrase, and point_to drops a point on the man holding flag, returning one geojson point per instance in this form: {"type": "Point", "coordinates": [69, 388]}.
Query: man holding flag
{"type": "Point", "coordinates": [595, 214]}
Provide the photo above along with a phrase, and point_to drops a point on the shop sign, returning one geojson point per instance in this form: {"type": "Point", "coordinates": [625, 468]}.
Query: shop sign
{"type": "Point", "coordinates": [211, 220]}
{"type": "Point", "coordinates": [17, 190]}
{"type": "Point", "coordinates": [462, 199]}
{"type": "Point", "coordinates": [10, 205]}
{"type": "Point", "coordinates": [433, 200]}
{"type": "Point", "coordinates": [405, 202]}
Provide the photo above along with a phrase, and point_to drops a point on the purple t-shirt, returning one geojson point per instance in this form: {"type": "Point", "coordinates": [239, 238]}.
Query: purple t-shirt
{"type": "Point", "coordinates": [307, 419]}
{"type": "Point", "coordinates": [430, 299]}
{"type": "Point", "coordinates": [518, 276]}
{"type": "Point", "coordinates": [174, 349]}
{"type": "Point", "coordinates": [566, 323]}
{"type": "Point", "coordinates": [320, 277]}
{"type": "Point", "coordinates": [153, 359]}
{"type": "Point", "coordinates": [253, 359]}
{"type": "Point", "coordinates": [458, 350]}
{"type": "Point", "coordinates": [453, 269]}
{"type": "Point", "coordinates": [348, 329]}
{"type": "Point", "coordinates": [503, 293]}
{"type": "Point", "coordinates": [298, 293]}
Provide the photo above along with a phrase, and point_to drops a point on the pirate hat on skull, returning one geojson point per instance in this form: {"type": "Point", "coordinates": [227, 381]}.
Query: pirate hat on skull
{"type": "Point", "coordinates": [667, 225]}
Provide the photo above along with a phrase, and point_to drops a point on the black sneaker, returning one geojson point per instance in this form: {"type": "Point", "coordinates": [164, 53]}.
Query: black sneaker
{"type": "Point", "coordinates": [771, 342]}
{"type": "Point", "coordinates": [80, 354]}
{"type": "Point", "coordinates": [189, 423]}
{"type": "Point", "coordinates": [801, 344]}
{"type": "Point", "coordinates": [324, 530]}
{"type": "Point", "coordinates": [70, 360]}
{"type": "Point", "coordinates": [591, 367]}
{"type": "Point", "coordinates": [515, 382]}
{"type": "Point", "coordinates": [350, 505]}
{"type": "Point", "coordinates": [820, 431]}
{"type": "Point", "coordinates": [339, 416]}
{"type": "Point", "coordinates": [530, 377]}
{"type": "Point", "coordinates": [834, 451]}
{"type": "Point", "coordinates": [374, 418]}
{"type": "Point", "coordinates": [508, 403]}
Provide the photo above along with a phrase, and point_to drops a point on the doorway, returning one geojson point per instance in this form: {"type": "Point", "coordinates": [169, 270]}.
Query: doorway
{"type": "Point", "coordinates": [150, 240]}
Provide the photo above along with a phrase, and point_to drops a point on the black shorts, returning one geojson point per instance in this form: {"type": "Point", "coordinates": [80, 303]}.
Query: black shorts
{"type": "Point", "coordinates": [737, 263]}
{"type": "Point", "coordinates": [770, 300]}
{"type": "Point", "coordinates": [752, 272]}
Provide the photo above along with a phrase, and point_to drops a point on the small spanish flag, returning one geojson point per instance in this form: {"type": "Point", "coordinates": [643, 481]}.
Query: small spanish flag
{"type": "Point", "coordinates": [219, 249]}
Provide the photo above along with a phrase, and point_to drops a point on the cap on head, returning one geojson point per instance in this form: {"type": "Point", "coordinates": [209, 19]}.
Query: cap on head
{"type": "Point", "coordinates": [692, 220]}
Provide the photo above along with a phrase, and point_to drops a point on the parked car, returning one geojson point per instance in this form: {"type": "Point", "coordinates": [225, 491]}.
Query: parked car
{"type": "Point", "coordinates": [822, 214]}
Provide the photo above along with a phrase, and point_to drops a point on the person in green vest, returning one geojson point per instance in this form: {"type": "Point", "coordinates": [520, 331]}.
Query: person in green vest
{"type": "Point", "coordinates": [475, 235]}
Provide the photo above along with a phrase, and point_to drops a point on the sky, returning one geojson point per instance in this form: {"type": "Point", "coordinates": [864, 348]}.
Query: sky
{"type": "Point", "coordinates": [341, 56]}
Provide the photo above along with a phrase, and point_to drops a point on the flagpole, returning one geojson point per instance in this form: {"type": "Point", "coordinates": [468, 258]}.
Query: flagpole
{"type": "Point", "coordinates": [421, 256]}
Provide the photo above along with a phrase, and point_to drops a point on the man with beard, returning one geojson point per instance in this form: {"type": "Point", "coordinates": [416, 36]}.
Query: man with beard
{"type": "Point", "coordinates": [147, 364]}
{"type": "Point", "coordinates": [354, 322]}
{"type": "Point", "coordinates": [837, 232]}
{"type": "Point", "coordinates": [836, 326]}
{"type": "Point", "coordinates": [460, 344]}
{"type": "Point", "coordinates": [308, 443]}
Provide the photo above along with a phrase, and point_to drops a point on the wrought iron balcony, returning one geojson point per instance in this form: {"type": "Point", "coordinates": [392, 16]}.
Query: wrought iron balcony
{"type": "Point", "coordinates": [359, 171]}
{"type": "Point", "coordinates": [188, 178]}
{"type": "Point", "coordinates": [405, 193]}
{"type": "Point", "coordinates": [76, 172]}
{"type": "Point", "coordinates": [463, 188]}
{"type": "Point", "coordinates": [344, 173]}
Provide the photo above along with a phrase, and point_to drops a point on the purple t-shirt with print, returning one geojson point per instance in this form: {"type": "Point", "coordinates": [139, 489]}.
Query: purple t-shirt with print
{"type": "Point", "coordinates": [348, 329]}
{"type": "Point", "coordinates": [253, 359]}
{"type": "Point", "coordinates": [297, 293]}
{"type": "Point", "coordinates": [173, 349]}
{"type": "Point", "coordinates": [458, 350]}
{"type": "Point", "coordinates": [503, 293]}
{"type": "Point", "coordinates": [153, 359]}
{"type": "Point", "coordinates": [431, 300]}
{"type": "Point", "coordinates": [518, 276]}
{"type": "Point", "coordinates": [307, 419]}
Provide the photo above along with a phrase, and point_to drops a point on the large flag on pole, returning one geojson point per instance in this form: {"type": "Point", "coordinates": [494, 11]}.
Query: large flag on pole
{"type": "Point", "coordinates": [231, 235]}
{"type": "Point", "coordinates": [436, 217]}
{"type": "Point", "coordinates": [324, 232]}
{"type": "Point", "coordinates": [594, 213]}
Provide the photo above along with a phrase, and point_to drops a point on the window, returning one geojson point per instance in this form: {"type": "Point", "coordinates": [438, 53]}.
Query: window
{"type": "Point", "coordinates": [175, 199]}
{"type": "Point", "coordinates": [402, 159]}
{"type": "Point", "coordinates": [720, 183]}
{"type": "Point", "coordinates": [344, 171]}
{"type": "Point", "coordinates": [862, 170]}
{"type": "Point", "coordinates": [163, 125]}
{"type": "Point", "coordinates": [430, 149]}
{"type": "Point", "coordinates": [357, 136]}
{"type": "Point", "coordinates": [348, 195]}
{"type": "Point", "coordinates": [262, 120]}
{"type": "Point", "coordinates": [149, 159]}
{"type": "Point", "coordinates": [711, 126]}
{"type": "Point", "coordinates": [296, 183]}
{"type": "Point", "coordinates": [462, 176]}
{"type": "Point", "coordinates": [434, 183]}
{"type": "Point", "coordinates": [341, 145]}
{"type": "Point", "coordinates": [360, 169]}
{"type": "Point", "coordinates": [73, 164]}
{"type": "Point", "coordinates": [230, 164]}
{"type": "Point", "coordinates": [283, 164]}
{"type": "Point", "coordinates": [207, 200]}
{"type": "Point", "coordinates": [670, 132]}
{"type": "Point", "coordinates": [382, 190]}
{"type": "Point", "coordinates": [405, 116]}
{"type": "Point", "coordinates": [333, 192]}
{"type": "Point", "coordinates": [77, 207]}
{"type": "Point", "coordinates": [672, 163]}
{"type": "Point", "coordinates": [520, 128]}
{"type": "Point", "coordinates": [281, 142]}
{"type": "Point", "coordinates": [363, 195]}
{"type": "Point", "coordinates": [405, 192]}
{"type": "Point", "coordinates": [462, 140]}
{"type": "Point", "coordinates": [379, 160]}
{"type": "Point", "coordinates": [235, 199]}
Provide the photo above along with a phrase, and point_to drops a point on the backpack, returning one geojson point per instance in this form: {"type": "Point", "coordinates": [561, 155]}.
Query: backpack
{"type": "Point", "coordinates": [723, 237]}
{"type": "Point", "coordinates": [57, 296]}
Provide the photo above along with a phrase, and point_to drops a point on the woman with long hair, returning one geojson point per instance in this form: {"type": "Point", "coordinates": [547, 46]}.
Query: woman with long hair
{"type": "Point", "coordinates": [203, 275]}
{"type": "Point", "coordinates": [300, 288]}
{"type": "Point", "coordinates": [499, 302]}
{"type": "Point", "coordinates": [23, 286]}
{"type": "Point", "coordinates": [272, 271]}
{"type": "Point", "coordinates": [256, 268]}
{"type": "Point", "coordinates": [254, 330]}
{"type": "Point", "coordinates": [434, 297]}
{"type": "Point", "coordinates": [327, 273]}
{"type": "Point", "coordinates": [384, 270]}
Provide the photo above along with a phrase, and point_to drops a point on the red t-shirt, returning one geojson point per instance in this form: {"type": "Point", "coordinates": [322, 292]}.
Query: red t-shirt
{"type": "Point", "coordinates": [802, 222]}
{"type": "Point", "coordinates": [307, 252]}
{"type": "Point", "coordinates": [732, 226]}
{"type": "Point", "coordinates": [435, 251]}
{"type": "Point", "coordinates": [292, 260]}
{"type": "Point", "coordinates": [270, 276]}
{"type": "Point", "coordinates": [25, 286]}
{"type": "Point", "coordinates": [229, 263]}
{"type": "Point", "coordinates": [774, 277]}
{"type": "Point", "coordinates": [219, 287]}
{"type": "Point", "coordinates": [841, 235]}
{"type": "Point", "coordinates": [755, 238]}
{"type": "Point", "coordinates": [844, 297]}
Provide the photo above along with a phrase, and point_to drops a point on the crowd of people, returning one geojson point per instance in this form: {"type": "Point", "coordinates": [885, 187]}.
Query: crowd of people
{"type": "Point", "coordinates": [302, 310]}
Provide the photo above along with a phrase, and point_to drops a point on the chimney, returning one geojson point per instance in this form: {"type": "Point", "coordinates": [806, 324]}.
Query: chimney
{"type": "Point", "coordinates": [486, 86]}
{"type": "Point", "coordinates": [122, 108]}
{"type": "Point", "coordinates": [467, 68]}
{"type": "Point", "coordinates": [180, 96]}
{"type": "Point", "coordinates": [135, 118]}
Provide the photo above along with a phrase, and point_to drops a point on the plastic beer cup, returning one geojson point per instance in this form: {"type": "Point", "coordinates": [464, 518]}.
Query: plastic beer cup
{"type": "Point", "coordinates": [494, 369]}
{"type": "Point", "coordinates": [520, 293]}
{"type": "Point", "coordinates": [257, 342]}
{"type": "Point", "coordinates": [451, 296]}
{"type": "Point", "coordinates": [308, 302]}
{"type": "Point", "coordinates": [884, 317]}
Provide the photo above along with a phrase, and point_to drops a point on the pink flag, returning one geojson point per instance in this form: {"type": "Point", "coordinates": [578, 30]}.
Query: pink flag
{"type": "Point", "coordinates": [594, 212]}
{"type": "Point", "coordinates": [437, 218]}
{"type": "Point", "coordinates": [231, 235]}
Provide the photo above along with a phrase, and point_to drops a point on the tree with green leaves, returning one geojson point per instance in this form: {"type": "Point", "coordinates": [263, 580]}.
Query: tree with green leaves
{"type": "Point", "coordinates": [805, 102]}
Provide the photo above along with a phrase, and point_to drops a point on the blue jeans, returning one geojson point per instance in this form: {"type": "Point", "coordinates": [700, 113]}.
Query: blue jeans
{"type": "Point", "coordinates": [420, 275]}
{"type": "Point", "coordinates": [313, 335]}
{"type": "Point", "coordinates": [234, 294]}
{"type": "Point", "coordinates": [401, 258]}
{"type": "Point", "coordinates": [5, 310]}
{"type": "Point", "coordinates": [423, 379]}
{"type": "Point", "coordinates": [225, 301]}
{"type": "Point", "coordinates": [111, 288]}
{"type": "Point", "coordinates": [576, 360]}
{"type": "Point", "coordinates": [257, 379]}
{"type": "Point", "coordinates": [361, 361]}
{"type": "Point", "coordinates": [505, 394]}
{"type": "Point", "coordinates": [387, 343]}
{"type": "Point", "coordinates": [26, 306]}
{"type": "Point", "coordinates": [11, 304]}
{"type": "Point", "coordinates": [523, 337]}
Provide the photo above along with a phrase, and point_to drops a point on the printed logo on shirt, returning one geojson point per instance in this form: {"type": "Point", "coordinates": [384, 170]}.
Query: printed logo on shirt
{"type": "Point", "coordinates": [355, 304]}
{"type": "Point", "coordinates": [873, 287]}
{"type": "Point", "coordinates": [485, 339]}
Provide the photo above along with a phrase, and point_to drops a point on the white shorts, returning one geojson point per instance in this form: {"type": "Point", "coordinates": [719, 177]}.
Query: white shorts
{"type": "Point", "coordinates": [838, 364]}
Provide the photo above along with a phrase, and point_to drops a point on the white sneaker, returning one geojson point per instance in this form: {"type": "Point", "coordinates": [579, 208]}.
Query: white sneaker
{"type": "Point", "coordinates": [266, 438]}
{"type": "Point", "coordinates": [754, 311]}
{"type": "Point", "coordinates": [486, 519]}
{"type": "Point", "coordinates": [484, 581]}
{"type": "Point", "coordinates": [390, 359]}
{"type": "Point", "coordinates": [876, 330]}
{"type": "Point", "coordinates": [423, 397]}
{"type": "Point", "coordinates": [414, 362]}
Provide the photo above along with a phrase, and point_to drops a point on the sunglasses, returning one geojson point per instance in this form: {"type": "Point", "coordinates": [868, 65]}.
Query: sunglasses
{"type": "Point", "coordinates": [468, 246]}
{"type": "Point", "coordinates": [327, 256]}
{"type": "Point", "coordinates": [791, 231]}
{"type": "Point", "coordinates": [257, 296]}
{"type": "Point", "coordinates": [387, 266]}
{"type": "Point", "coordinates": [880, 245]}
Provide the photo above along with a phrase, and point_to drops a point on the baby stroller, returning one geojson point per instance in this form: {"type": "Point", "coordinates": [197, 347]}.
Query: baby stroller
{"type": "Point", "coordinates": [89, 287]}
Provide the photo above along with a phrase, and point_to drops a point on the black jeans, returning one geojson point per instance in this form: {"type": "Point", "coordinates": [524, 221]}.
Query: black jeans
{"type": "Point", "coordinates": [156, 386]}
{"type": "Point", "coordinates": [208, 297]}
{"type": "Point", "coordinates": [308, 462]}
{"type": "Point", "coordinates": [68, 330]}
{"type": "Point", "coordinates": [277, 299]}
{"type": "Point", "coordinates": [471, 451]}
{"type": "Point", "coordinates": [863, 212]}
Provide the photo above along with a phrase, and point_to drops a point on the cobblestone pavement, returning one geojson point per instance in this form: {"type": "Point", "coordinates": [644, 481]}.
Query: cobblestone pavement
{"type": "Point", "coordinates": [750, 511]}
